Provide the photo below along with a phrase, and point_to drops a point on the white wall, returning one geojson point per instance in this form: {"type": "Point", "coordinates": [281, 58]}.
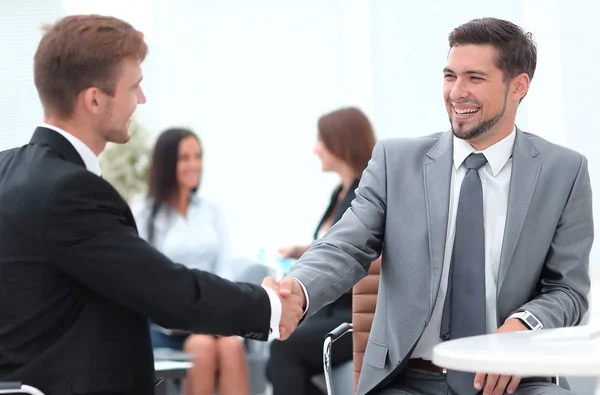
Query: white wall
{"type": "Point", "coordinates": [137, 12]}
{"type": "Point", "coordinates": [580, 56]}
{"type": "Point", "coordinates": [20, 32]}
{"type": "Point", "coordinates": [252, 79]}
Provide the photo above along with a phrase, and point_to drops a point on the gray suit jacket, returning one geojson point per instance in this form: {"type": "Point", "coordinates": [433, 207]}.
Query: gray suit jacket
{"type": "Point", "coordinates": [401, 209]}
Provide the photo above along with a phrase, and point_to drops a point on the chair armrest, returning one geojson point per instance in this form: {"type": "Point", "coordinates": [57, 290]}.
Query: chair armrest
{"type": "Point", "coordinates": [329, 339]}
{"type": "Point", "coordinates": [15, 387]}
{"type": "Point", "coordinates": [10, 385]}
{"type": "Point", "coordinates": [339, 331]}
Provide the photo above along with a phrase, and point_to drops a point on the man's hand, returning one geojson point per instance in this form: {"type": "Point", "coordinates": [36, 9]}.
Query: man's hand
{"type": "Point", "coordinates": [496, 384]}
{"type": "Point", "coordinates": [292, 303]}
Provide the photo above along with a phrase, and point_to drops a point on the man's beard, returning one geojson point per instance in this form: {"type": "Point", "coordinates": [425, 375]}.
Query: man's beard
{"type": "Point", "coordinates": [111, 131]}
{"type": "Point", "coordinates": [482, 127]}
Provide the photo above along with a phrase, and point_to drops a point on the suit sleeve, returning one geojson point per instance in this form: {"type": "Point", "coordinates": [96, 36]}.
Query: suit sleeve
{"type": "Point", "coordinates": [91, 239]}
{"type": "Point", "coordinates": [562, 295]}
{"type": "Point", "coordinates": [337, 261]}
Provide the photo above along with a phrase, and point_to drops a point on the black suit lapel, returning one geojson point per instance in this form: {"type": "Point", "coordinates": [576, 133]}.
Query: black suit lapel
{"type": "Point", "coordinates": [59, 144]}
{"type": "Point", "coordinates": [63, 148]}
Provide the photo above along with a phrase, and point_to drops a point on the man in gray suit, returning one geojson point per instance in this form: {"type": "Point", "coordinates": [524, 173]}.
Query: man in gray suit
{"type": "Point", "coordinates": [483, 229]}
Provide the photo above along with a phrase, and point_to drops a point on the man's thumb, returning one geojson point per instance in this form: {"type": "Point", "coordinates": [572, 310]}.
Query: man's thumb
{"type": "Point", "coordinates": [285, 286]}
{"type": "Point", "coordinates": [269, 282]}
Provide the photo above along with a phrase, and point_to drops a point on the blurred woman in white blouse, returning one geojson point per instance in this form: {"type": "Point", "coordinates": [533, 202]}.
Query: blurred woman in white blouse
{"type": "Point", "coordinates": [190, 230]}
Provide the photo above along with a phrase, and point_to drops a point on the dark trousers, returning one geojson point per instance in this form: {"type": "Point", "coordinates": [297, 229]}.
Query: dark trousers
{"type": "Point", "coordinates": [294, 361]}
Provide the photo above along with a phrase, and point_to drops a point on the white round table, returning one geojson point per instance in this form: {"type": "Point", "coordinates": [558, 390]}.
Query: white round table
{"type": "Point", "coordinates": [566, 352]}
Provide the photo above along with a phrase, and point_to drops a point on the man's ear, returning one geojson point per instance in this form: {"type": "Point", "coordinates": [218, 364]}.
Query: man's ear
{"type": "Point", "coordinates": [92, 100]}
{"type": "Point", "coordinates": [519, 87]}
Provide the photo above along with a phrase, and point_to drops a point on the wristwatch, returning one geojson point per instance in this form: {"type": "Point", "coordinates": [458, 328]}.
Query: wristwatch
{"type": "Point", "coordinates": [528, 319]}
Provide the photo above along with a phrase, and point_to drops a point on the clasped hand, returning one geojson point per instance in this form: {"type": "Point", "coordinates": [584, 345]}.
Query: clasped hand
{"type": "Point", "coordinates": [293, 303]}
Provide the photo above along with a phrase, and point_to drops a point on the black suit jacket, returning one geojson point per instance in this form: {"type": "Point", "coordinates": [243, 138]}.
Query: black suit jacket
{"type": "Point", "coordinates": [77, 284]}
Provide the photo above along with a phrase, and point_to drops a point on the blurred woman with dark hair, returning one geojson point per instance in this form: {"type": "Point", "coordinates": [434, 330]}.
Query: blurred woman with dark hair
{"type": "Point", "coordinates": [190, 230]}
{"type": "Point", "coordinates": [344, 145]}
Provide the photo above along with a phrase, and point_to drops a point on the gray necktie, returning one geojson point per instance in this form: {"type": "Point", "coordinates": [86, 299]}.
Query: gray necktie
{"type": "Point", "coordinates": [464, 308]}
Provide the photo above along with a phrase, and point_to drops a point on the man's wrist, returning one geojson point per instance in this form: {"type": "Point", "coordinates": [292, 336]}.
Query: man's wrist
{"type": "Point", "coordinates": [528, 319]}
{"type": "Point", "coordinates": [306, 301]}
{"type": "Point", "coordinates": [276, 308]}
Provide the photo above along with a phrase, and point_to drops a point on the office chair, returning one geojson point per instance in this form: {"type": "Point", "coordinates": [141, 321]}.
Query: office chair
{"type": "Point", "coordinates": [18, 388]}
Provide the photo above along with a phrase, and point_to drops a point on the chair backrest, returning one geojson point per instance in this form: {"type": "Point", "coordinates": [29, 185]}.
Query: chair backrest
{"type": "Point", "coordinates": [364, 300]}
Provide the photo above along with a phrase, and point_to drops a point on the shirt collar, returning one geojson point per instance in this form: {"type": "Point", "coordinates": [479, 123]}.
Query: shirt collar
{"type": "Point", "coordinates": [497, 155]}
{"type": "Point", "coordinates": [87, 155]}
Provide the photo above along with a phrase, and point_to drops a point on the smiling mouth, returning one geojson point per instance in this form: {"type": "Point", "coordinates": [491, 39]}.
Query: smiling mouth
{"type": "Point", "coordinates": [465, 113]}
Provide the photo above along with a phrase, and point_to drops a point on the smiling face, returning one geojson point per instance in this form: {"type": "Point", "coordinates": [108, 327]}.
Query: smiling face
{"type": "Point", "coordinates": [189, 163]}
{"type": "Point", "coordinates": [477, 94]}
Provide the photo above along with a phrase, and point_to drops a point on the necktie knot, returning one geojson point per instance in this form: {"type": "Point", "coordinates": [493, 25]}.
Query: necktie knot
{"type": "Point", "coordinates": [475, 161]}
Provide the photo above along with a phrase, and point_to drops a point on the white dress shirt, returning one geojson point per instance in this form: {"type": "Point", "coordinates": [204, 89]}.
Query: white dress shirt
{"type": "Point", "coordinates": [495, 180]}
{"type": "Point", "coordinates": [92, 164]}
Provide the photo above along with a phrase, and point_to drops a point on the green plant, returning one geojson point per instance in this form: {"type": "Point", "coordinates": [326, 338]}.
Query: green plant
{"type": "Point", "coordinates": [126, 166]}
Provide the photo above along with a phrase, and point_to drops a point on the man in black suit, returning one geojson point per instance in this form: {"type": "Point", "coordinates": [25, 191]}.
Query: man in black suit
{"type": "Point", "coordinates": [77, 284]}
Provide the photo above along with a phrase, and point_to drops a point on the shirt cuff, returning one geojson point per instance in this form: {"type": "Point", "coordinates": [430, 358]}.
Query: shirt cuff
{"type": "Point", "coordinates": [275, 313]}
{"type": "Point", "coordinates": [305, 294]}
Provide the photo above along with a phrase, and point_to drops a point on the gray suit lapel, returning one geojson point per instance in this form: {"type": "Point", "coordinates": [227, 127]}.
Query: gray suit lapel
{"type": "Point", "coordinates": [524, 177]}
{"type": "Point", "coordinates": [438, 172]}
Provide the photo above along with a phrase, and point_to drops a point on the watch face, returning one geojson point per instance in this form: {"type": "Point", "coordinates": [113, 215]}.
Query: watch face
{"type": "Point", "coordinates": [531, 321]}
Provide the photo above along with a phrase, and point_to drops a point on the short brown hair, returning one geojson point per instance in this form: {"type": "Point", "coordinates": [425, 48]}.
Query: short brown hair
{"type": "Point", "coordinates": [80, 51]}
{"type": "Point", "coordinates": [348, 134]}
{"type": "Point", "coordinates": [517, 51]}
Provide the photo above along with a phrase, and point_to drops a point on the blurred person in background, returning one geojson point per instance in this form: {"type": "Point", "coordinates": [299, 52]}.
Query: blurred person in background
{"type": "Point", "coordinates": [190, 230]}
{"type": "Point", "coordinates": [344, 145]}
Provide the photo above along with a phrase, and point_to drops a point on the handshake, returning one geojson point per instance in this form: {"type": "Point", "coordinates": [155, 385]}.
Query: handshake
{"type": "Point", "coordinates": [293, 303]}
